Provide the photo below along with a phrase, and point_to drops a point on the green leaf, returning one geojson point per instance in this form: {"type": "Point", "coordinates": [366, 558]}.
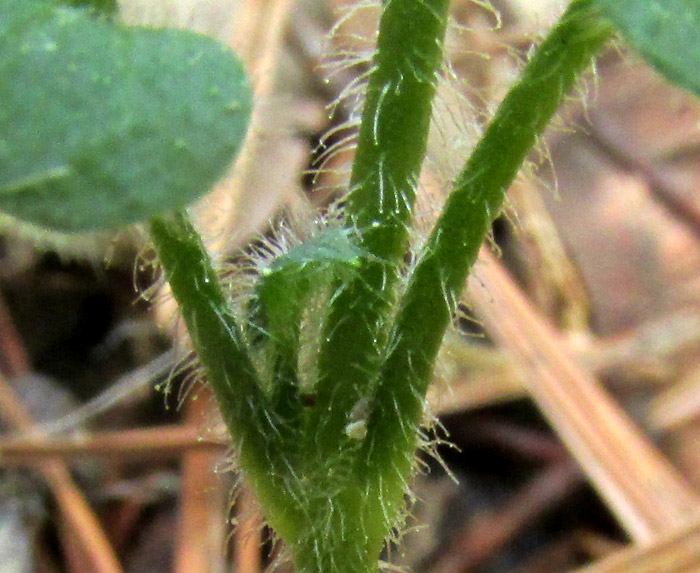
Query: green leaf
{"type": "Point", "coordinates": [666, 33]}
{"type": "Point", "coordinates": [332, 248]}
{"type": "Point", "coordinates": [102, 125]}
{"type": "Point", "coordinates": [286, 284]}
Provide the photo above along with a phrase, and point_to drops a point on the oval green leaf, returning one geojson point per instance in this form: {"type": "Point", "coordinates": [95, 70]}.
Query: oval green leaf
{"type": "Point", "coordinates": [285, 286]}
{"type": "Point", "coordinates": [666, 33]}
{"type": "Point", "coordinates": [103, 125]}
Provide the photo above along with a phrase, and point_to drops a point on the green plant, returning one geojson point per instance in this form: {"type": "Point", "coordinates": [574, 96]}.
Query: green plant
{"type": "Point", "coordinates": [329, 450]}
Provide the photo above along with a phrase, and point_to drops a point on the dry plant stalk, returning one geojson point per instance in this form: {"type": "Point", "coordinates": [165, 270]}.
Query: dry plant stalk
{"type": "Point", "coordinates": [81, 520]}
{"type": "Point", "coordinates": [648, 497]}
{"type": "Point", "coordinates": [201, 531]}
{"type": "Point", "coordinates": [675, 553]}
{"type": "Point", "coordinates": [162, 441]}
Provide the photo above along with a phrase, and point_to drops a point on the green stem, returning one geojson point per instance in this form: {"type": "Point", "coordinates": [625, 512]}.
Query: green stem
{"type": "Point", "coordinates": [478, 193]}
{"type": "Point", "coordinates": [391, 148]}
{"type": "Point", "coordinates": [219, 344]}
{"type": "Point", "coordinates": [332, 497]}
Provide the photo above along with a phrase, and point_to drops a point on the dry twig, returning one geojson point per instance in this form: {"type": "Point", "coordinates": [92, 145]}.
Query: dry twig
{"type": "Point", "coordinates": [142, 443]}
{"type": "Point", "coordinates": [646, 494]}
{"type": "Point", "coordinates": [82, 523]}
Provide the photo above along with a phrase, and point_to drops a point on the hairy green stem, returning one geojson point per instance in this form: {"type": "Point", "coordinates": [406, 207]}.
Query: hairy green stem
{"type": "Point", "coordinates": [219, 344]}
{"type": "Point", "coordinates": [331, 496]}
{"type": "Point", "coordinates": [391, 148]}
{"type": "Point", "coordinates": [478, 193]}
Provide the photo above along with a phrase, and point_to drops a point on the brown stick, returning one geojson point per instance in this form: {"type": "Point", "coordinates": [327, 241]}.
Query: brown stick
{"type": "Point", "coordinates": [248, 540]}
{"type": "Point", "coordinates": [676, 553]}
{"type": "Point", "coordinates": [78, 515]}
{"type": "Point", "coordinates": [13, 351]}
{"type": "Point", "coordinates": [81, 521]}
{"type": "Point", "coordinates": [646, 494]}
{"type": "Point", "coordinates": [163, 441]}
{"type": "Point", "coordinates": [198, 545]}
{"type": "Point", "coordinates": [475, 543]}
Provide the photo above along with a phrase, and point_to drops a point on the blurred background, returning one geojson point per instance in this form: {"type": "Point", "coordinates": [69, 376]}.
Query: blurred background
{"type": "Point", "coordinates": [568, 395]}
